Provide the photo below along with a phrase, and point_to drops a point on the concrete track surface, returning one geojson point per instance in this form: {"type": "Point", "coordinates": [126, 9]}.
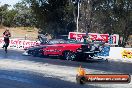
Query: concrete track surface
{"type": "Point", "coordinates": [18, 71]}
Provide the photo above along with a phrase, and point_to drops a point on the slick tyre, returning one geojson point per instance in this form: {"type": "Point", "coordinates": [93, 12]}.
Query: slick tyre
{"type": "Point", "coordinates": [35, 54]}
{"type": "Point", "coordinates": [68, 55]}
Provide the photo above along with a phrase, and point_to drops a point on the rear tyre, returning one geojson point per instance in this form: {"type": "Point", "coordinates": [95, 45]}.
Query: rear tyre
{"type": "Point", "coordinates": [68, 55]}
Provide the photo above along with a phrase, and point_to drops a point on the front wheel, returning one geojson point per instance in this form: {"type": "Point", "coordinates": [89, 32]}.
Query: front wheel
{"type": "Point", "coordinates": [68, 55]}
{"type": "Point", "coordinates": [35, 54]}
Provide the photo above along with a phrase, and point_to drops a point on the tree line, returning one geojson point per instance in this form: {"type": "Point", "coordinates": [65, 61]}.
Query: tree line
{"type": "Point", "coordinates": [19, 15]}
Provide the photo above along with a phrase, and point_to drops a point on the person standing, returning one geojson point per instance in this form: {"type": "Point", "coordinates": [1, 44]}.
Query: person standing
{"type": "Point", "coordinates": [6, 36]}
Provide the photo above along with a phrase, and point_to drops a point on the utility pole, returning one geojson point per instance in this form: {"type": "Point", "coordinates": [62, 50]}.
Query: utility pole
{"type": "Point", "coordinates": [78, 6]}
{"type": "Point", "coordinates": [77, 3]}
{"type": "Point", "coordinates": [88, 14]}
{"type": "Point", "coordinates": [89, 17]}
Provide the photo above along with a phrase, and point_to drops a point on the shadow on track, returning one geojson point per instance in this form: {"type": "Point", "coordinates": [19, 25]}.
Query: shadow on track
{"type": "Point", "coordinates": [22, 79]}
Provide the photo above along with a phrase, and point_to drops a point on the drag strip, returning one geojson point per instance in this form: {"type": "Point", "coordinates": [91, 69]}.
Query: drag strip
{"type": "Point", "coordinates": [111, 66]}
{"type": "Point", "coordinates": [61, 70]}
{"type": "Point", "coordinates": [21, 79]}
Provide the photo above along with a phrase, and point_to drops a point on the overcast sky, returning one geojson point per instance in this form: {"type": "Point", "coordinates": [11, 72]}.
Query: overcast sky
{"type": "Point", "coordinates": [10, 2]}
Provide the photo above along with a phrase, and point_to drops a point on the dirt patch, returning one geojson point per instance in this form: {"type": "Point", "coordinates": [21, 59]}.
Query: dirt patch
{"type": "Point", "coordinates": [22, 32]}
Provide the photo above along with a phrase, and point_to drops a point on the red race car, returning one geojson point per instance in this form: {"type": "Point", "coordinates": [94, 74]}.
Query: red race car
{"type": "Point", "coordinates": [37, 50]}
{"type": "Point", "coordinates": [67, 49]}
{"type": "Point", "coordinates": [73, 51]}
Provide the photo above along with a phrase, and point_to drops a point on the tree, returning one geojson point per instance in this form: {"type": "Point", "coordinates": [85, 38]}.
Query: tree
{"type": "Point", "coordinates": [24, 16]}
{"type": "Point", "coordinates": [54, 16]}
{"type": "Point", "coordinates": [115, 16]}
{"type": "Point", "coordinates": [3, 12]}
{"type": "Point", "coordinates": [8, 18]}
{"type": "Point", "coordinates": [102, 16]}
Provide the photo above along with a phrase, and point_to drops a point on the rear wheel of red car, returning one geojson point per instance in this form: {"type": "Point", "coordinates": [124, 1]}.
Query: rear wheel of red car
{"type": "Point", "coordinates": [68, 55]}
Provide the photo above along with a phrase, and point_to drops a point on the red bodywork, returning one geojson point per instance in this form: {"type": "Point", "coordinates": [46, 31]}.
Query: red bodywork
{"type": "Point", "coordinates": [58, 49]}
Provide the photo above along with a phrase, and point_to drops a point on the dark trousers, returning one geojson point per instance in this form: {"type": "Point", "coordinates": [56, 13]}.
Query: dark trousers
{"type": "Point", "coordinates": [6, 43]}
